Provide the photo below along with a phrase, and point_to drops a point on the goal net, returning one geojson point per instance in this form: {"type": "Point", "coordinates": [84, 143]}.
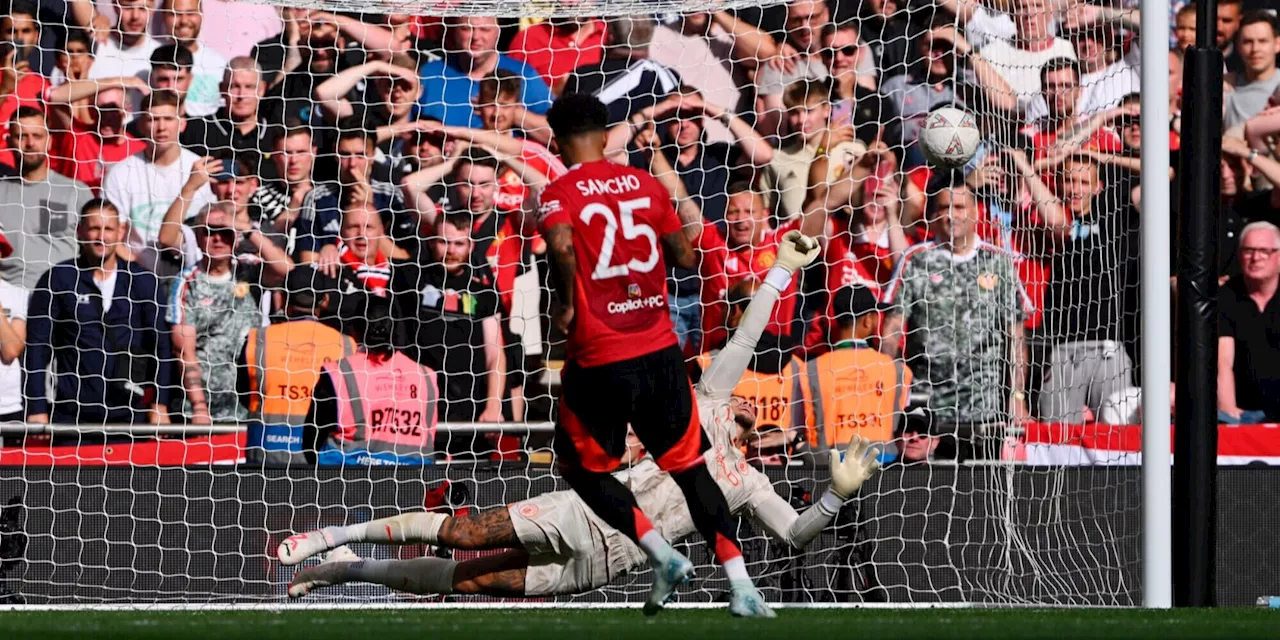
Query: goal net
{"type": "Point", "coordinates": [397, 146]}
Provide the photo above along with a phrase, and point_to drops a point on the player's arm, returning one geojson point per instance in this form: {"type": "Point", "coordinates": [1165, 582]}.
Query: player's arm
{"type": "Point", "coordinates": [563, 260]}
{"type": "Point", "coordinates": [794, 252]}
{"type": "Point", "coordinates": [557, 229]}
{"type": "Point", "coordinates": [777, 517]}
{"type": "Point", "coordinates": [564, 264]}
{"type": "Point", "coordinates": [679, 251]}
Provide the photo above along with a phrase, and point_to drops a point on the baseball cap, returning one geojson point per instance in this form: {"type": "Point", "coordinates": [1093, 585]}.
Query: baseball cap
{"type": "Point", "coordinates": [855, 301]}
{"type": "Point", "coordinates": [305, 284]}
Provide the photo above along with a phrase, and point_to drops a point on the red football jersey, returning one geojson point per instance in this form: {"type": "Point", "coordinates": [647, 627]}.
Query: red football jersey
{"type": "Point", "coordinates": [619, 216]}
{"type": "Point", "coordinates": [723, 267]}
{"type": "Point", "coordinates": [511, 189]}
{"type": "Point", "coordinates": [851, 259]}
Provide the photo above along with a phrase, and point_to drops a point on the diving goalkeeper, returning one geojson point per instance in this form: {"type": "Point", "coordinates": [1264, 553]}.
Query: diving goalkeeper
{"type": "Point", "coordinates": [554, 543]}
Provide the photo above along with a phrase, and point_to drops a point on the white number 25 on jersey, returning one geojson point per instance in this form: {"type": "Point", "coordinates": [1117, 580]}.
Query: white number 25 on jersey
{"type": "Point", "coordinates": [630, 231]}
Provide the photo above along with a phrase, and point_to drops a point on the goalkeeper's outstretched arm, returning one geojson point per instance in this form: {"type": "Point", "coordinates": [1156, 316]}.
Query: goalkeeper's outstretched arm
{"type": "Point", "coordinates": [794, 253]}
{"type": "Point", "coordinates": [777, 517]}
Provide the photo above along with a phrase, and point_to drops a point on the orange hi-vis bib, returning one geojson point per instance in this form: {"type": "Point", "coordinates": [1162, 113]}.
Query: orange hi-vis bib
{"type": "Point", "coordinates": [778, 398]}
{"type": "Point", "coordinates": [855, 391]}
{"type": "Point", "coordinates": [284, 361]}
{"type": "Point", "coordinates": [384, 407]}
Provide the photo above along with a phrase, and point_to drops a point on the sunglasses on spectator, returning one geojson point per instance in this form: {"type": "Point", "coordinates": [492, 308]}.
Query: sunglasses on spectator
{"type": "Point", "coordinates": [848, 50]}
{"type": "Point", "coordinates": [226, 234]}
{"type": "Point", "coordinates": [1129, 121]}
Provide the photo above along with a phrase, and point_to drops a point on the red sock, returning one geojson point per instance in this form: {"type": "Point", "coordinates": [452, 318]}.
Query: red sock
{"type": "Point", "coordinates": [726, 550]}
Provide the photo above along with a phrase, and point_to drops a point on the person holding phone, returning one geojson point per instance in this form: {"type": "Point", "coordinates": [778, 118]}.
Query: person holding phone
{"type": "Point", "coordinates": [21, 27]}
{"type": "Point", "coordinates": [19, 87]}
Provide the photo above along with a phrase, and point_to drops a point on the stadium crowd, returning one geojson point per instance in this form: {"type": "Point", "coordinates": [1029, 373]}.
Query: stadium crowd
{"type": "Point", "coordinates": [209, 207]}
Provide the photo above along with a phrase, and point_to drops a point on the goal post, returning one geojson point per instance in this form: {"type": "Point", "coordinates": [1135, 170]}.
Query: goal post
{"type": "Point", "coordinates": [1157, 325]}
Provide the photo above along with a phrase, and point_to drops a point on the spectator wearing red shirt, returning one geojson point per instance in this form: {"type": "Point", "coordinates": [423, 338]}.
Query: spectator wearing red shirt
{"type": "Point", "coordinates": [501, 112]}
{"type": "Point", "coordinates": [1063, 131]}
{"type": "Point", "coordinates": [749, 248]}
{"type": "Point", "coordinates": [84, 151]}
{"type": "Point", "coordinates": [865, 240]}
{"type": "Point", "coordinates": [19, 87]}
{"type": "Point", "coordinates": [556, 47]}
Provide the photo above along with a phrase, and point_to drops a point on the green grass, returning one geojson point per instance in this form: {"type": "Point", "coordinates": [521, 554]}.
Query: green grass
{"type": "Point", "coordinates": [864, 624]}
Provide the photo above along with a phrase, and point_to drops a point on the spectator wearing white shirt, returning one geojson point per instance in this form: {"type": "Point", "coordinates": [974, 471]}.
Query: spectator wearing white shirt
{"type": "Point", "coordinates": [183, 19]}
{"type": "Point", "coordinates": [1105, 78]}
{"type": "Point", "coordinates": [13, 339]}
{"type": "Point", "coordinates": [143, 186]}
{"type": "Point", "coordinates": [714, 53]}
{"type": "Point", "coordinates": [982, 20]}
{"type": "Point", "coordinates": [1019, 60]}
{"type": "Point", "coordinates": [128, 47]}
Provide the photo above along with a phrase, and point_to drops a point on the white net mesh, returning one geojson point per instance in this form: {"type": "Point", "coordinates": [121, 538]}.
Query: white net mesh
{"type": "Point", "coordinates": [401, 152]}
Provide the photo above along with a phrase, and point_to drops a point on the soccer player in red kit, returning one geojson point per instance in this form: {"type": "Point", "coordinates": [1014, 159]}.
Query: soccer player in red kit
{"type": "Point", "coordinates": [606, 228]}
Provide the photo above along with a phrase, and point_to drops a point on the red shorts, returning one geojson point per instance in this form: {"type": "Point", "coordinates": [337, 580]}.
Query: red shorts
{"type": "Point", "coordinates": [650, 393]}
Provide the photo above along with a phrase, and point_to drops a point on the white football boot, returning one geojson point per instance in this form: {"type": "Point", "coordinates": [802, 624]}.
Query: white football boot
{"type": "Point", "coordinates": [297, 548]}
{"type": "Point", "coordinates": [667, 576]}
{"type": "Point", "coordinates": [332, 571]}
{"type": "Point", "coordinates": [745, 601]}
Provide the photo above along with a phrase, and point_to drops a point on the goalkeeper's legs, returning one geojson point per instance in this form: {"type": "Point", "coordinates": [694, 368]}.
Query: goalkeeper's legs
{"type": "Point", "coordinates": [488, 529]}
{"type": "Point", "coordinates": [498, 575]}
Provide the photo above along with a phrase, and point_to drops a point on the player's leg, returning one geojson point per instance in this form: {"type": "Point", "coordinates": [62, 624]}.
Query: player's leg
{"type": "Point", "coordinates": [591, 432]}
{"type": "Point", "coordinates": [594, 483]}
{"type": "Point", "coordinates": [502, 574]}
{"type": "Point", "coordinates": [591, 437]}
{"type": "Point", "coordinates": [670, 428]}
{"type": "Point", "coordinates": [486, 529]}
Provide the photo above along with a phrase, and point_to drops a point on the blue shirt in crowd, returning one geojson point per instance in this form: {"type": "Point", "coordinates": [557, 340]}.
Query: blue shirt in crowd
{"type": "Point", "coordinates": [447, 91]}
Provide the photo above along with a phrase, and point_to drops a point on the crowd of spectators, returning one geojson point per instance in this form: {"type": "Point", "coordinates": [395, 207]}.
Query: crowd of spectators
{"type": "Point", "coordinates": [173, 175]}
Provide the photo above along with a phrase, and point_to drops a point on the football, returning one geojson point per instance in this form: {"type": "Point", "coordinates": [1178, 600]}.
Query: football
{"type": "Point", "coordinates": [949, 137]}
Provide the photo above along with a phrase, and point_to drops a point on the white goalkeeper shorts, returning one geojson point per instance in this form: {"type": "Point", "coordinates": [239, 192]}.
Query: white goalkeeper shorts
{"type": "Point", "coordinates": [570, 550]}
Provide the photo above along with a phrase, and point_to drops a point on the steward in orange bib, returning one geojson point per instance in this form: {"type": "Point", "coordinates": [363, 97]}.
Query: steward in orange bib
{"type": "Point", "coordinates": [279, 367]}
{"type": "Point", "coordinates": [855, 389]}
{"type": "Point", "coordinates": [375, 407]}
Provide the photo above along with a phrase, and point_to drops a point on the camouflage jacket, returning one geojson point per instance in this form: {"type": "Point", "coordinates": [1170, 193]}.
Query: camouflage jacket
{"type": "Point", "coordinates": [222, 311]}
{"type": "Point", "coordinates": [958, 313]}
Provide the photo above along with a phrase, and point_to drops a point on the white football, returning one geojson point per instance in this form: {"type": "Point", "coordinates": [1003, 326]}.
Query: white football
{"type": "Point", "coordinates": [949, 137]}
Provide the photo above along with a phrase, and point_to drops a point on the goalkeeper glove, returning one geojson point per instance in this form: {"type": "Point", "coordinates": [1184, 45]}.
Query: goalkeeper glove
{"type": "Point", "coordinates": [859, 462]}
{"type": "Point", "coordinates": [796, 251]}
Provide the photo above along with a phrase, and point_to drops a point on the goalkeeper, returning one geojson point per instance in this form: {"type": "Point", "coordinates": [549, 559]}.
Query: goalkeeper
{"type": "Point", "coordinates": [555, 544]}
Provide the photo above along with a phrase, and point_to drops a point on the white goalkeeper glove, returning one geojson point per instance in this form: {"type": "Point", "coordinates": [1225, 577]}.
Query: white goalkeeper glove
{"type": "Point", "coordinates": [860, 461]}
{"type": "Point", "coordinates": [796, 251]}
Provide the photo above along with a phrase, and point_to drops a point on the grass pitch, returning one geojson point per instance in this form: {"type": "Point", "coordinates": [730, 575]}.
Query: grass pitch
{"type": "Point", "coordinates": [589, 624]}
